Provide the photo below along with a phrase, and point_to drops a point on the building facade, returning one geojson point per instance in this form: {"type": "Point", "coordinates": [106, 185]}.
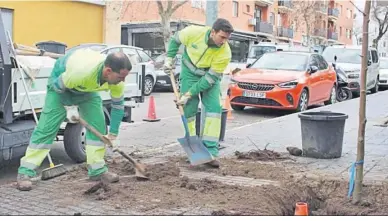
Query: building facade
{"type": "Point", "coordinates": [254, 21]}
{"type": "Point", "coordinates": [69, 22]}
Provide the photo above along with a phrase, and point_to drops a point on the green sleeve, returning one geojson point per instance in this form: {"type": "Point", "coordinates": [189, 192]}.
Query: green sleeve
{"type": "Point", "coordinates": [173, 46]}
{"type": "Point", "coordinates": [117, 110]}
{"type": "Point", "coordinates": [214, 75]}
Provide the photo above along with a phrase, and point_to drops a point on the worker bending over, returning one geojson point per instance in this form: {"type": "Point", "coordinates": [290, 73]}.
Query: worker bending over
{"type": "Point", "coordinates": [75, 81]}
{"type": "Point", "coordinates": [205, 57]}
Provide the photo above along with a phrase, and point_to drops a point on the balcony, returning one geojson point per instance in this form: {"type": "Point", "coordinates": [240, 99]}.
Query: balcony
{"type": "Point", "coordinates": [320, 32]}
{"type": "Point", "coordinates": [285, 32]}
{"type": "Point", "coordinates": [264, 3]}
{"type": "Point", "coordinates": [332, 35]}
{"type": "Point", "coordinates": [322, 9]}
{"type": "Point", "coordinates": [284, 5]}
{"type": "Point", "coordinates": [333, 13]}
{"type": "Point", "coordinates": [263, 27]}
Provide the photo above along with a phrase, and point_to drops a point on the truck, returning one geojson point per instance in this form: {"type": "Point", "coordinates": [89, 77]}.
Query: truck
{"type": "Point", "coordinates": [16, 116]}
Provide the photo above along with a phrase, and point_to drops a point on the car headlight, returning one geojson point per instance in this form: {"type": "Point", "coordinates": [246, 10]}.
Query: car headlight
{"type": "Point", "coordinates": [288, 84]}
{"type": "Point", "coordinates": [353, 76]}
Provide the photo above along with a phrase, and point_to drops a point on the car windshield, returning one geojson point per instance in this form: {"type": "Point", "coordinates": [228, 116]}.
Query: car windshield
{"type": "Point", "coordinates": [92, 47]}
{"type": "Point", "coordinates": [282, 61]}
{"type": "Point", "coordinates": [257, 51]}
{"type": "Point", "coordinates": [383, 64]}
{"type": "Point", "coordinates": [344, 55]}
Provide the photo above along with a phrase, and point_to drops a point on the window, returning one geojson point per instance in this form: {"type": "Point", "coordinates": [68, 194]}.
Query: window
{"type": "Point", "coordinates": [132, 54]}
{"type": "Point", "coordinates": [282, 61]}
{"type": "Point", "coordinates": [197, 4]}
{"type": "Point", "coordinates": [322, 63]}
{"type": "Point", "coordinates": [340, 32]}
{"type": "Point", "coordinates": [248, 8]}
{"type": "Point", "coordinates": [111, 50]}
{"type": "Point", "coordinates": [348, 13]}
{"type": "Point", "coordinates": [375, 57]}
{"type": "Point", "coordinates": [272, 18]}
{"type": "Point", "coordinates": [384, 44]}
{"type": "Point", "coordinates": [314, 61]}
{"type": "Point", "coordinates": [144, 57]}
{"type": "Point", "coordinates": [235, 9]}
{"type": "Point", "coordinates": [340, 9]}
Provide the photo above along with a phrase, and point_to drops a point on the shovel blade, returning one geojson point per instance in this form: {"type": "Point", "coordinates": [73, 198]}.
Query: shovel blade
{"type": "Point", "coordinates": [196, 150]}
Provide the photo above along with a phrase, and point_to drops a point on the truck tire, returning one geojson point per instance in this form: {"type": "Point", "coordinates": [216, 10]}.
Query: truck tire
{"type": "Point", "coordinates": [74, 142]}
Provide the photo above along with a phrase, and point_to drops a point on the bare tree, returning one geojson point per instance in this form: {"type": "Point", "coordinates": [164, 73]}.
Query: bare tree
{"type": "Point", "coordinates": [362, 117]}
{"type": "Point", "coordinates": [357, 33]}
{"type": "Point", "coordinates": [380, 15]}
{"type": "Point", "coordinates": [166, 9]}
{"type": "Point", "coordinates": [305, 18]}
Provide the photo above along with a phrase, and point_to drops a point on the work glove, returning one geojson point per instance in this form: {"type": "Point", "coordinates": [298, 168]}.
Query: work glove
{"type": "Point", "coordinates": [112, 139]}
{"type": "Point", "coordinates": [168, 66]}
{"type": "Point", "coordinates": [72, 114]}
{"type": "Point", "coordinates": [183, 99]}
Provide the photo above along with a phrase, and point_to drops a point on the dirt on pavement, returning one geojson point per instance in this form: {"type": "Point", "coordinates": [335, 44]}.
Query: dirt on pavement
{"type": "Point", "coordinates": [168, 189]}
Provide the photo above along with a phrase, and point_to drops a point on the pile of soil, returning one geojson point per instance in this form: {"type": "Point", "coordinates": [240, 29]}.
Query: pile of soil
{"type": "Point", "coordinates": [167, 189]}
{"type": "Point", "coordinates": [260, 155]}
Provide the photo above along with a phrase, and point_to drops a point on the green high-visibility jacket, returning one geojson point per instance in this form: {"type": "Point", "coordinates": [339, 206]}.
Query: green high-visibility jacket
{"type": "Point", "coordinates": [81, 72]}
{"type": "Point", "coordinates": [210, 61]}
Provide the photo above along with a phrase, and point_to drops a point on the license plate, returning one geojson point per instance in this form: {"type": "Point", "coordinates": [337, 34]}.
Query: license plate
{"type": "Point", "coordinates": [254, 94]}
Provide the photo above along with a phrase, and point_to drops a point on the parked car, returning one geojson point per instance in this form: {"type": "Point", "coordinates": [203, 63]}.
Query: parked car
{"type": "Point", "coordinates": [349, 59]}
{"type": "Point", "coordinates": [136, 54]}
{"type": "Point", "coordinates": [383, 79]}
{"type": "Point", "coordinates": [284, 80]}
{"type": "Point", "coordinates": [162, 79]}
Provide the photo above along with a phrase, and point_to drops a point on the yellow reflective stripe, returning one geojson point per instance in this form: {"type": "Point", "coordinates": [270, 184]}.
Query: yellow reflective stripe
{"type": "Point", "coordinates": [40, 146]}
{"type": "Point", "coordinates": [95, 155]}
{"type": "Point", "coordinates": [212, 125]}
{"type": "Point", "coordinates": [209, 79]}
{"type": "Point", "coordinates": [191, 126]}
{"type": "Point", "coordinates": [34, 157]}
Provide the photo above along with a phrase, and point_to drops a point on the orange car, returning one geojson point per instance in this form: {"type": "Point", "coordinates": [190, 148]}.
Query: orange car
{"type": "Point", "coordinates": [284, 80]}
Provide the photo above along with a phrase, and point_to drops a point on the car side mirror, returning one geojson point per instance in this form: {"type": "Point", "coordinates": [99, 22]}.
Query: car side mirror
{"type": "Point", "coordinates": [369, 63]}
{"type": "Point", "coordinates": [313, 69]}
{"type": "Point", "coordinates": [248, 65]}
{"type": "Point", "coordinates": [335, 58]}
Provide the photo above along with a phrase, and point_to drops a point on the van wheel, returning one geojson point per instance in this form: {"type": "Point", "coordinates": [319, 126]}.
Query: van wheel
{"type": "Point", "coordinates": [148, 85]}
{"type": "Point", "coordinates": [74, 140]}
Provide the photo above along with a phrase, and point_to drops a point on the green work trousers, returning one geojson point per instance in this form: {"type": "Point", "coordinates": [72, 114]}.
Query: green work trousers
{"type": "Point", "coordinates": [52, 116]}
{"type": "Point", "coordinates": [211, 101]}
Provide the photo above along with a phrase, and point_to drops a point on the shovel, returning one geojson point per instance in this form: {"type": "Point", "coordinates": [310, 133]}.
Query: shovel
{"type": "Point", "coordinates": [193, 146]}
{"type": "Point", "coordinates": [139, 168]}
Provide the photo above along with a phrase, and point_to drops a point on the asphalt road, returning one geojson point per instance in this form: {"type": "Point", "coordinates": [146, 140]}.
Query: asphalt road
{"type": "Point", "coordinates": [144, 136]}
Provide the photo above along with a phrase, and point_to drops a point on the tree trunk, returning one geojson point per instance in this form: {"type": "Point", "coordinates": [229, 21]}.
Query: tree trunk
{"type": "Point", "coordinates": [362, 117]}
{"type": "Point", "coordinates": [166, 30]}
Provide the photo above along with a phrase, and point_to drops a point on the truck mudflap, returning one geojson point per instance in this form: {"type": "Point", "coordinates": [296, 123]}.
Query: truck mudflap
{"type": "Point", "coordinates": [14, 139]}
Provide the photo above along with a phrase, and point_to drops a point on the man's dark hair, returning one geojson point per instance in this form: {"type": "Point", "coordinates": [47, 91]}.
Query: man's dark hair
{"type": "Point", "coordinates": [118, 61]}
{"type": "Point", "coordinates": [223, 25]}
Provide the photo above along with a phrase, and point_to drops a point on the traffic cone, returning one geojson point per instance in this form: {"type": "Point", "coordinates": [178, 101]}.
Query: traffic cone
{"type": "Point", "coordinates": [301, 209]}
{"type": "Point", "coordinates": [228, 107]}
{"type": "Point", "coordinates": [151, 111]}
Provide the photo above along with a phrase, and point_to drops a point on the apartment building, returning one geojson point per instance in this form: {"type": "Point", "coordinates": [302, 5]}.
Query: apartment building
{"type": "Point", "coordinates": [254, 21]}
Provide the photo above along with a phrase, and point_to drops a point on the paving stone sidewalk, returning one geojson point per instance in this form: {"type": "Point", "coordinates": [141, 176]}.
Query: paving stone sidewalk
{"type": "Point", "coordinates": [280, 132]}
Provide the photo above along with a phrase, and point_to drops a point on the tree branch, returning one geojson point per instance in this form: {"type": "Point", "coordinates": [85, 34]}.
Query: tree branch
{"type": "Point", "coordinates": [178, 5]}
{"type": "Point", "coordinates": [160, 7]}
{"type": "Point", "coordinates": [362, 12]}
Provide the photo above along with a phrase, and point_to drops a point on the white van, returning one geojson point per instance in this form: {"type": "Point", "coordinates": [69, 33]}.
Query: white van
{"type": "Point", "coordinates": [257, 50]}
{"type": "Point", "coordinates": [349, 59]}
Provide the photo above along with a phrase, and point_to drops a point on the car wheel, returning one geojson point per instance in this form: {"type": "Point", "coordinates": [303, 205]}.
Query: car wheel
{"type": "Point", "coordinates": [303, 101]}
{"type": "Point", "coordinates": [237, 107]}
{"type": "Point", "coordinates": [333, 96]}
{"type": "Point", "coordinates": [148, 85]}
{"type": "Point", "coordinates": [375, 89]}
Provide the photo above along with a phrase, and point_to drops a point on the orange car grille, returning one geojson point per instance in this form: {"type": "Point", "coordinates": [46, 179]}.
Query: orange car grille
{"type": "Point", "coordinates": [256, 101]}
{"type": "Point", "coordinates": [255, 86]}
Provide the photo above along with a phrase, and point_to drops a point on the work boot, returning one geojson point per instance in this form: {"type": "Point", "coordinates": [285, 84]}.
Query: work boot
{"type": "Point", "coordinates": [107, 176]}
{"type": "Point", "coordinates": [214, 163]}
{"type": "Point", "coordinates": [24, 182]}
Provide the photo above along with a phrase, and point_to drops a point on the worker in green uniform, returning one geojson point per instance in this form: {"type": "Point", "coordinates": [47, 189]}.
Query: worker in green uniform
{"type": "Point", "coordinates": [206, 55]}
{"type": "Point", "coordinates": [74, 84]}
